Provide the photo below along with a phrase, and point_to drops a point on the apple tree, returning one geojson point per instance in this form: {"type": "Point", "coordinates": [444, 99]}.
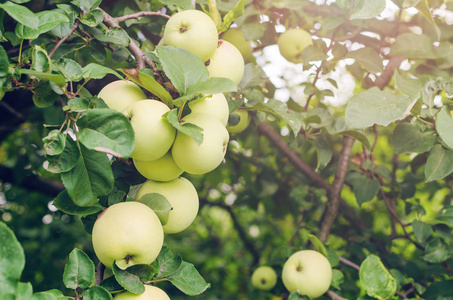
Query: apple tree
{"type": "Point", "coordinates": [279, 149]}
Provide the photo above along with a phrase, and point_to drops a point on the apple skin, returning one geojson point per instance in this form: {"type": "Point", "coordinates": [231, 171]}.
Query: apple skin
{"type": "Point", "coordinates": [235, 37]}
{"type": "Point", "coordinates": [292, 42]}
{"type": "Point", "coordinates": [150, 293]}
{"type": "Point", "coordinates": [244, 120]}
{"type": "Point", "coordinates": [154, 135]}
{"type": "Point", "coordinates": [226, 62]}
{"type": "Point", "coordinates": [120, 94]}
{"type": "Point", "coordinates": [308, 272]}
{"type": "Point", "coordinates": [194, 31]}
{"type": "Point", "coordinates": [161, 169]}
{"type": "Point", "coordinates": [215, 105]}
{"type": "Point", "coordinates": [203, 158]}
{"type": "Point", "coordinates": [128, 232]}
{"type": "Point", "coordinates": [264, 278]}
{"type": "Point", "coordinates": [183, 198]}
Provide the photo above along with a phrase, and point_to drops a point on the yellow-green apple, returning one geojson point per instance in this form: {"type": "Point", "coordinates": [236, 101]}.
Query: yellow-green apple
{"type": "Point", "coordinates": [264, 278]}
{"type": "Point", "coordinates": [129, 233]}
{"type": "Point", "coordinates": [308, 272]}
{"type": "Point", "coordinates": [227, 62]}
{"type": "Point", "coordinates": [215, 105]}
{"type": "Point", "coordinates": [192, 30]}
{"type": "Point", "coordinates": [235, 37]}
{"type": "Point", "coordinates": [161, 169]}
{"type": "Point", "coordinates": [292, 42]}
{"type": "Point", "coordinates": [154, 135]}
{"type": "Point", "coordinates": [201, 158]}
{"type": "Point", "coordinates": [183, 199]}
{"type": "Point", "coordinates": [120, 94]}
{"type": "Point", "coordinates": [244, 120]}
{"type": "Point", "coordinates": [150, 293]}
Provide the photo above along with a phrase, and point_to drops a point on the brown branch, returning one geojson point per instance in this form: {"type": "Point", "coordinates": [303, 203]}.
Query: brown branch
{"type": "Point", "coordinates": [99, 273]}
{"type": "Point", "coordinates": [140, 14]}
{"type": "Point", "coordinates": [335, 296]}
{"type": "Point", "coordinates": [61, 41]}
{"type": "Point", "coordinates": [349, 263]}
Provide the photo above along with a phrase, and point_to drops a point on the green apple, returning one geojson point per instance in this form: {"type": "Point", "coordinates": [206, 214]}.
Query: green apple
{"type": "Point", "coordinates": [129, 233]}
{"type": "Point", "coordinates": [292, 42]}
{"type": "Point", "coordinates": [120, 94]}
{"type": "Point", "coordinates": [154, 135]}
{"type": "Point", "coordinates": [227, 62]}
{"type": "Point", "coordinates": [183, 198]}
{"type": "Point", "coordinates": [194, 31]}
{"type": "Point", "coordinates": [235, 37]}
{"type": "Point", "coordinates": [264, 278]}
{"type": "Point", "coordinates": [201, 158]}
{"type": "Point", "coordinates": [150, 293]}
{"type": "Point", "coordinates": [244, 120]}
{"type": "Point", "coordinates": [161, 169]}
{"type": "Point", "coordinates": [308, 272]}
{"type": "Point", "coordinates": [215, 105]}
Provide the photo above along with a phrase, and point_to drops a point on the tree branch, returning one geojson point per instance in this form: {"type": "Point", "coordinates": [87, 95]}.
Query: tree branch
{"type": "Point", "coordinates": [99, 273]}
{"type": "Point", "coordinates": [349, 263]}
{"type": "Point", "coordinates": [61, 41]}
{"type": "Point", "coordinates": [140, 14]}
{"type": "Point", "coordinates": [335, 296]}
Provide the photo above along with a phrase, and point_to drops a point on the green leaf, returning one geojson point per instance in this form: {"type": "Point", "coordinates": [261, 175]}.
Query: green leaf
{"type": "Point", "coordinates": [21, 14]}
{"type": "Point", "coordinates": [367, 9]}
{"type": "Point", "coordinates": [77, 105]}
{"type": "Point", "coordinates": [444, 126]}
{"type": "Point", "coordinates": [319, 246]}
{"type": "Point", "coordinates": [142, 271]}
{"type": "Point", "coordinates": [70, 69]}
{"type": "Point", "coordinates": [323, 150]}
{"type": "Point", "coordinates": [44, 296]}
{"type": "Point", "coordinates": [253, 76]}
{"type": "Point", "coordinates": [57, 78]}
{"type": "Point", "coordinates": [97, 293]}
{"type": "Point", "coordinates": [106, 130]}
{"type": "Point", "coordinates": [296, 296]}
{"type": "Point", "coordinates": [422, 230]}
{"type": "Point", "coordinates": [79, 270]}
{"type": "Point", "coordinates": [358, 136]}
{"type": "Point", "coordinates": [374, 106]}
{"type": "Point", "coordinates": [337, 279]}
{"type": "Point", "coordinates": [232, 15]}
{"type": "Point", "coordinates": [64, 28]}
{"type": "Point", "coordinates": [90, 178]}
{"type": "Point", "coordinates": [54, 142]}
{"type": "Point", "coordinates": [424, 9]}
{"type": "Point", "coordinates": [407, 85]}
{"type": "Point", "coordinates": [44, 95]}
{"type": "Point", "coordinates": [66, 160]}
{"type": "Point", "coordinates": [65, 204]}
{"type": "Point", "coordinates": [47, 21]}
{"type": "Point", "coordinates": [167, 262]}
{"type": "Point", "coordinates": [407, 138]}
{"type": "Point", "coordinates": [182, 67]}
{"type": "Point", "coordinates": [365, 189]}
{"type": "Point", "coordinates": [439, 163]}
{"type": "Point", "coordinates": [189, 129]}
{"type": "Point", "coordinates": [115, 35]}
{"type": "Point", "coordinates": [376, 279]}
{"type": "Point", "coordinates": [188, 280]}
{"type": "Point", "coordinates": [412, 45]}
{"type": "Point", "coordinates": [111, 284]}
{"type": "Point", "coordinates": [93, 18]}
{"type": "Point", "coordinates": [436, 251]}
{"type": "Point", "coordinates": [95, 71]}
{"type": "Point", "coordinates": [12, 259]}
{"type": "Point", "coordinates": [41, 62]}
{"type": "Point", "coordinates": [87, 5]}
{"type": "Point", "coordinates": [130, 282]}
{"type": "Point", "coordinates": [149, 83]}
{"type": "Point", "coordinates": [368, 58]}
{"type": "Point", "coordinates": [159, 204]}
{"type": "Point", "coordinates": [4, 62]}
{"type": "Point", "coordinates": [211, 86]}
{"type": "Point", "coordinates": [445, 216]}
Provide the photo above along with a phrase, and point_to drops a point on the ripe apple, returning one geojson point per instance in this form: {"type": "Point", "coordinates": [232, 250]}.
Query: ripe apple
{"type": "Point", "coordinates": [264, 278]}
{"type": "Point", "coordinates": [120, 94]}
{"type": "Point", "coordinates": [244, 120]}
{"type": "Point", "coordinates": [150, 293]}
{"type": "Point", "coordinates": [154, 135]}
{"type": "Point", "coordinates": [235, 37]}
{"type": "Point", "coordinates": [161, 169]}
{"type": "Point", "coordinates": [183, 198]}
{"type": "Point", "coordinates": [292, 42]}
{"type": "Point", "coordinates": [128, 232]}
{"type": "Point", "coordinates": [227, 62]}
{"type": "Point", "coordinates": [201, 158]}
{"type": "Point", "coordinates": [194, 31]}
{"type": "Point", "coordinates": [215, 105]}
{"type": "Point", "coordinates": [308, 272]}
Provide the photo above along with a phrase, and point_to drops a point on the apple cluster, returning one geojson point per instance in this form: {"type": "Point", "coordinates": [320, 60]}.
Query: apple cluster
{"type": "Point", "coordinates": [130, 233]}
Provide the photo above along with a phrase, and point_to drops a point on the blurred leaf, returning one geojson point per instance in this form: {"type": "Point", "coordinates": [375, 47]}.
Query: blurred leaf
{"type": "Point", "coordinates": [436, 251]}
{"type": "Point", "coordinates": [54, 142]}
{"type": "Point", "coordinates": [65, 204]}
{"type": "Point", "coordinates": [97, 293]}
{"type": "Point", "coordinates": [21, 14]}
{"type": "Point", "coordinates": [444, 126]}
{"type": "Point", "coordinates": [115, 35]}
{"type": "Point", "coordinates": [421, 230]}
{"type": "Point", "coordinates": [79, 270]}
{"type": "Point", "coordinates": [96, 71]}
{"type": "Point", "coordinates": [367, 9]}
{"type": "Point", "coordinates": [445, 216]}
{"type": "Point", "coordinates": [253, 76]}
{"type": "Point", "coordinates": [12, 259]}
{"type": "Point", "coordinates": [44, 95]}
{"type": "Point", "coordinates": [24, 291]}
{"type": "Point", "coordinates": [407, 138]}
{"type": "Point", "coordinates": [128, 281]}
{"type": "Point", "coordinates": [231, 15]}
{"type": "Point", "coordinates": [159, 204]}
{"type": "Point", "coordinates": [86, 5]}
{"type": "Point", "coordinates": [364, 188]}
{"type": "Point", "coordinates": [368, 58]}
{"type": "Point", "coordinates": [424, 9]}
{"type": "Point", "coordinates": [439, 163]}
{"type": "Point", "coordinates": [296, 296]}
{"type": "Point", "coordinates": [44, 296]}
{"type": "Point", "coordinates": [57, 78]}
{"type": "Point", "coordinates": [412, 45]}
{"type": "Point", "coordinates": [376, 279]}
{"type": "Point", "coordinates": [406, 84]}
{"type": "Point", "coordinates": [319, 246]}
{"type": "Point", "coordinates": [323, 150]}
{"type": "Point", "coordinates": [189, 129]}
{"type": "Point", "coordinates": [337, 279]}
{"type": "Point", "coordinates": [188, 280]}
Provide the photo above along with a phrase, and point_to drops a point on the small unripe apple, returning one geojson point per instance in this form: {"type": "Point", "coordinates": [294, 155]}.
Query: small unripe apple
{"type": "Point", "coordinates": [235, 37]}
{"type": "Point", "coordinates": [244, 120]}
{"type": "Point", "coordinates": [201, 158]}
{"type": "Point", "coordinates": [308, 272]}
{"type": "Point", "coordinates": [264, 278]}
{"type": "Point", "coordinates": [215, 105]}
{"type": "Point", "coordinates": [154, 135]}
{"type": "Point", "coordinates": [227, 62]}
{"type": "Point", "coordinates": [150, 293]}
{"type": "Point", "coordinates": [194, 31]}
{"type": "Point", "coordinates": [161, 169]}
{"type": "Point", "coordinates": [292, 42]}
{"type": "Point", "coordinates": [183, 198]}
{"type": "Point", "coordinates": [120, 94]}
{"type": "Point", "coordinates": [129, 233]}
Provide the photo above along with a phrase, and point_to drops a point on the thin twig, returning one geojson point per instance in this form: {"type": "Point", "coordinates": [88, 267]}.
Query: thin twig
{"type": "Point", "coordinates": [61, 41]}
{"type": "Point", "coordinates": [140, 14]}
{"type": "Point", "coordinates": [100, 273]}
{"type": "Point", "coordinates": [349, 263]}
{"type": "Point", "coordinates": [335, 296]}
